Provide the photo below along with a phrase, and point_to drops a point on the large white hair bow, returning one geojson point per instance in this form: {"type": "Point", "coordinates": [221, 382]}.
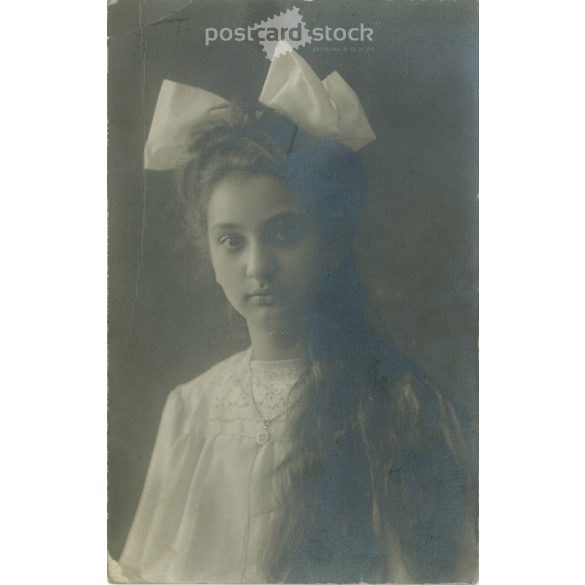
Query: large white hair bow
{"type": "Point", "coordinates": [327, 109]}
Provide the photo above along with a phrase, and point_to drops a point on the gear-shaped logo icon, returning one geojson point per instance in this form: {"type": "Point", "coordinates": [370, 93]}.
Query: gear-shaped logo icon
{"type": "Point", "coordinates": [287, 26]}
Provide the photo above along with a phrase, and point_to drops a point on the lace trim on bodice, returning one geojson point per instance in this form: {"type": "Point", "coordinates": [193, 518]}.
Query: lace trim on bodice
{"type": "Point", "coordinates": [270, 382]}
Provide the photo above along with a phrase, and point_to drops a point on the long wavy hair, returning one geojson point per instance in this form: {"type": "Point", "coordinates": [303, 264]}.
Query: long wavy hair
{"type": "Point", "coordinates": [371, 454]}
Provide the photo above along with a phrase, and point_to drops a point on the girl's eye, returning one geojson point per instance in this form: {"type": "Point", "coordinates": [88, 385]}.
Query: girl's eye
{"type": "Point", "coordinates": [286, 234]}
{"type": "Point", "coordinates": [282, 235]}
{"type": "Point", "coordinates": [231, 242]}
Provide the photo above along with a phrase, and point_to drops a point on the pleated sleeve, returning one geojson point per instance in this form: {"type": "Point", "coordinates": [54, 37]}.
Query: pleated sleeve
{"type": "Point", "coordinates": [146, 539]}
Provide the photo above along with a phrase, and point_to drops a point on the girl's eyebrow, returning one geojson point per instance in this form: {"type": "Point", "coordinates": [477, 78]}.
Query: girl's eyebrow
{"type": "Point", "coordinates": [226, 226]}
{"type": "Point", "coordinates": [279, 217]}
{"type": "Point", "coordinates": [285, 216]}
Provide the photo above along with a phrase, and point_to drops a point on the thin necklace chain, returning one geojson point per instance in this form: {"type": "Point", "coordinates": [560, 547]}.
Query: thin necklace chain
{"type": "Point", "coordinates": [265, 421]}
{"type": "Point", "coordinates": [263, 435]}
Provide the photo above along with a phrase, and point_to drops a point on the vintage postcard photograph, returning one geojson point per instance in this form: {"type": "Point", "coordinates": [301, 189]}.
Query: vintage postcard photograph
{"type": "Point", "coordinates": [293, 291]}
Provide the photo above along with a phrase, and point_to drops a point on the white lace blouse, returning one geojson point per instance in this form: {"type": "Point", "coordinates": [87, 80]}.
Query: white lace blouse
{"type": "Point", "coordinates": [208, 499]}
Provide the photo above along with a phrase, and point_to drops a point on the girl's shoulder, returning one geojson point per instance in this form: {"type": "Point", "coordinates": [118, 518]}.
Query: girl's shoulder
{"type": "Point", "coordinates": [221, 374]}
{"type": "Point", "coordinates": [188, 406]}
{"type": "Point", "coordinates": [399, 374]}
{"type": "Point", "coordinates": [433, 411]}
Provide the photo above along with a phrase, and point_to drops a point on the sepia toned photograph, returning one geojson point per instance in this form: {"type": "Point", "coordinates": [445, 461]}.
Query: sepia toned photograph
{"type": "Point", "coordinates": [293, 291]}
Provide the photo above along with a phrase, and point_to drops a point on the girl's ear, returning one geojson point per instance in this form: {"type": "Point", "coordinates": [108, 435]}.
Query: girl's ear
{"type": "Point", "coordinates": [335, 261]}
{"type": "Point", "coordinates": [337, 252]}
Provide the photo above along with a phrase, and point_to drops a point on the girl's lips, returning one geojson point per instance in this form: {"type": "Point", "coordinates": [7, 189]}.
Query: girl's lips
{"type": "Point", "coordinates": [263, 297]}
{"type": "Point", "coordinates": [262, 292]}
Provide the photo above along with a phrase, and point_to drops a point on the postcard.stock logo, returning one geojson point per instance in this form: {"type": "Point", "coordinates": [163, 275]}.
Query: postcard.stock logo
{"type": "Point", "coordinates": [287, 26]}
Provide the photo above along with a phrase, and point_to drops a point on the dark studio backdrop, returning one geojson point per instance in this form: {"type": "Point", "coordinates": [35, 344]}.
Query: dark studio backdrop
{"type": "Point", "coordinates": [417, 246]}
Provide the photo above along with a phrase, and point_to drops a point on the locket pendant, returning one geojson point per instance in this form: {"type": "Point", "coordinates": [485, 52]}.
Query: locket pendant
{"type": "Point", "coordinates": [263, 435]}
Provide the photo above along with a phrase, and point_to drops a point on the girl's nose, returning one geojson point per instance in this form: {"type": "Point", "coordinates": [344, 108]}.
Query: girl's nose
{"type": "Point", "coordinates": [260, 263]}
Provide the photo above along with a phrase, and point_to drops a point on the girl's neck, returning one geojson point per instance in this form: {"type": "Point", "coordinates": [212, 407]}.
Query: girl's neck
{"type": "Point", "coordinates": [270, 346]}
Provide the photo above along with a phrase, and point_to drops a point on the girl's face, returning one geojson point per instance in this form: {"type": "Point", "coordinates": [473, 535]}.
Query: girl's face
{"type": "Point", "coordinates": [267, 252]}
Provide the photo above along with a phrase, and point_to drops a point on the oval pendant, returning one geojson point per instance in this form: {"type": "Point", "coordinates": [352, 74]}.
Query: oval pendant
{"type": "Point", "coordinates": [263, 437]}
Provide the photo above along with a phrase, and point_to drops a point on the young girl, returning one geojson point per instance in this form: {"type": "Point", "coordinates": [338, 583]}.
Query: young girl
{"type": "Point", "coordinates": [319, 454]}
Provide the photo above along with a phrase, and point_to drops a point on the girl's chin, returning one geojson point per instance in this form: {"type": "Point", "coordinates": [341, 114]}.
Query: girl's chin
{"type": "Point", "coordinates": [272, 320]}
